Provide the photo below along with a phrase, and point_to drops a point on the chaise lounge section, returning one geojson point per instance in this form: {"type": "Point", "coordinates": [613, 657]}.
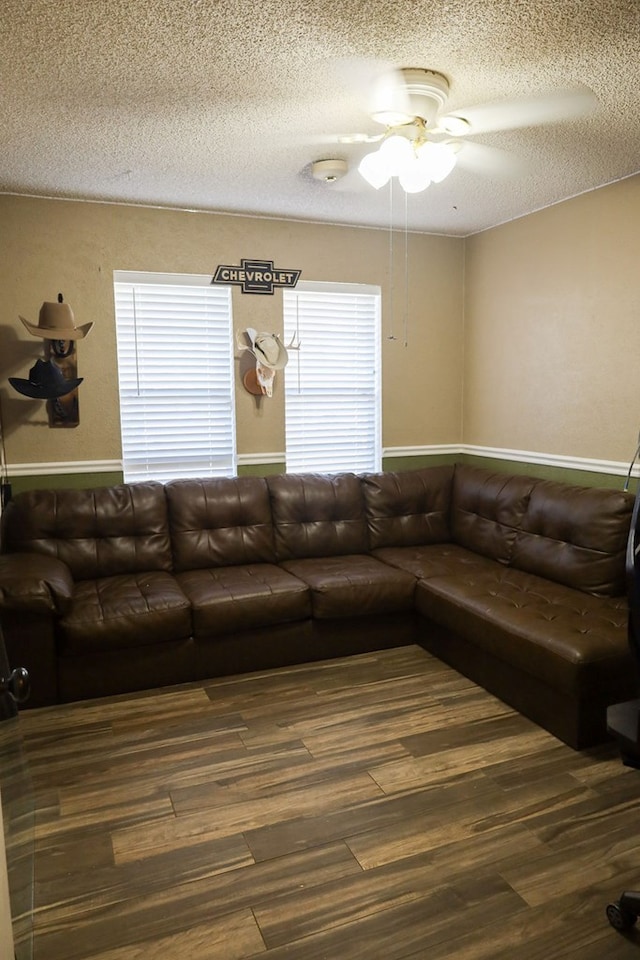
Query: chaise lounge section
{"type": "Point", "coordinates": [516, 582]}
{"type": "Point", "coordinates": [527, 597]}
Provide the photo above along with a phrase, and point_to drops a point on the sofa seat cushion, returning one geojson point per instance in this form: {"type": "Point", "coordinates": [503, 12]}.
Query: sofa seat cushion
{"type": "Point", "coordinates": [130, 610]}
{"type": "Point", "coordinates": [231, 599]}
{"type": "Point", "coordinates": [434, 560]}
{"type": "Point", "coordinates": [570, 640]}
{"type": "Point", "coordinates": [353, 585]}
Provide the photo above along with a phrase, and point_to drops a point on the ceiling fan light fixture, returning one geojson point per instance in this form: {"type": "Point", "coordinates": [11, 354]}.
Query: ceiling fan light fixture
{"type": "Point", "coordinates": [396, 152]}
{"type": "Point", "coordinates": [408, 152]}
{"type": "Point", "coordinates": [374, 170]}
{"type": "Point", "coordinates": [414, 166]}
{"type": "Point", "coordinates": [415, 177]}
{"type": "Point", "coordinates": [438, 159]}
{"type": "Point", "coordinates": [409, 110]}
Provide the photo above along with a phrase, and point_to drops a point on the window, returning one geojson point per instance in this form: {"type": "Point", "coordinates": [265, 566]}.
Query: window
{"type": "Point", "coordinates": [332, 383]}
{"type": "Point", "coordinates": [175, 369]}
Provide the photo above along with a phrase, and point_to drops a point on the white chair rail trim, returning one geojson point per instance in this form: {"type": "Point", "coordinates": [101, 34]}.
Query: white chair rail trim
{"type": "Point", "coordinates": [615, 467]}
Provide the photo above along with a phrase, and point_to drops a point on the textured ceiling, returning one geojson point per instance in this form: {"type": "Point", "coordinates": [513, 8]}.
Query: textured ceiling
{"type": "Point", "coordinates": [219, 105]}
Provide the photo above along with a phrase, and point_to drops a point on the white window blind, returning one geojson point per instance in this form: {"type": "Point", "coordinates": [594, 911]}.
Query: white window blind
{"type": "Point", "coordinates": [332, 383]}
{"type": "Point", "coordinates": [175, 369]}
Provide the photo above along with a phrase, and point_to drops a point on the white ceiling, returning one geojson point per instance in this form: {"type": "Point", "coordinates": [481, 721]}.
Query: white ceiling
{"type": "Point", "coordinates": [223, 104]}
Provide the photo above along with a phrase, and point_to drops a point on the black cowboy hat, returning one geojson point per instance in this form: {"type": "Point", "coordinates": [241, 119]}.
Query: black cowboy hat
{"type": "Point", "coordinates": [46, 382]}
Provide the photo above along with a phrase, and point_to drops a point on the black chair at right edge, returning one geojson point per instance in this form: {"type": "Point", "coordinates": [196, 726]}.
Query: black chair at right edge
{"type": "Point", "coordinates": [623, 719]}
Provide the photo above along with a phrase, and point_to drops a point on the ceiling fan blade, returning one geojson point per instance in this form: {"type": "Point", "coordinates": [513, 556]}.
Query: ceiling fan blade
{"type": "Point", "coordinates": [526, 112]}
{"type": "Point", "coordinates": [378, 85]}
{"type": "Point", "coordinates": [345, 138]}
{"type": "Point", "coordinates": [389, 97]}
{"type": "Point", "coordinates": [489, 161]}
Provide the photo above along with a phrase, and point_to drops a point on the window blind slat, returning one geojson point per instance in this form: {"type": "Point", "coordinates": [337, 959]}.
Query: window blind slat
{"type": "Point", "coordinates": [332, 384]}
{"type": "Point", "coordinates": [175, 369]}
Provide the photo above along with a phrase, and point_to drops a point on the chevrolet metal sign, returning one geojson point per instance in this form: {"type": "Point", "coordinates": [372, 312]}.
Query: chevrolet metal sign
{"type": "Point", "coordinates": [256, 276]}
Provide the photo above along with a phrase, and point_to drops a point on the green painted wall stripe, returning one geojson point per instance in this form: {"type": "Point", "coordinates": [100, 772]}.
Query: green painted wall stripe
{"type": "Point", "coordinates": [583, 478]}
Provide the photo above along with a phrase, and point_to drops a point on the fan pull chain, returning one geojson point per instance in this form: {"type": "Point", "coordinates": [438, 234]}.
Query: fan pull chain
{"type": "Point", "coordinates": [406, 270]}
{"type": "Point", "coordinates": [392, 335]}
{"type": "Point", "coordinates": [298, 374]}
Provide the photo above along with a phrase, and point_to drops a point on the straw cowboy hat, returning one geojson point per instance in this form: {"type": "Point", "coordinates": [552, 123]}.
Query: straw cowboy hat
{"type": "Point", "coordinates": [268, 349]}
{"type": "Point", "coordinates": [55, 322]}
{"type": "Point", "coordinates": [46, 382]}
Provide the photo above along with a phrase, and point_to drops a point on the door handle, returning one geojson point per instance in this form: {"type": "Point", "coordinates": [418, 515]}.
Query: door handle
{"type": "Point", "coordinates": [17, 684]}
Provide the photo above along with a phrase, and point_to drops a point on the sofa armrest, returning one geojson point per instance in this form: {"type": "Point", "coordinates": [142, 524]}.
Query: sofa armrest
{"type": "Point", "coordinates": [35, 582]}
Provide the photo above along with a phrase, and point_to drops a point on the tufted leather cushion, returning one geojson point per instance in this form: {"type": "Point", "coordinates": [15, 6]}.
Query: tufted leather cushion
{"type": "Point", "coordinates": [569, 640]}
{"type": "Point", "coordinates": [219, 522]}
{"type": "Point", "coordinates": [434, 560]}
{"type": "Point", "coordinates": [97, 533]}
{"type": "Point", "coordinates": [353, 586]}
{"type": "Point", "coordinates": [487, 509]}
{"type": "Point", "coordinates": [408, 508]}
{"type": "Point", "coordinates": [315, 515]}
{"type": "Point", "coordinates": [130, 610]}
{"type": "Point", "coordinates": [231, 599]}
{"type": "Point", "coordinates": [576, 536]}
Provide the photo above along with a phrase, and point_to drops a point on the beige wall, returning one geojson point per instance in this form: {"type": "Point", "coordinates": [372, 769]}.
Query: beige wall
{"type": "Point", "coordinates": [49, 246]}
{"type": "Point", "coordinates": [547, 353]}
{"type": "Point", "coordinates": [552, 329]}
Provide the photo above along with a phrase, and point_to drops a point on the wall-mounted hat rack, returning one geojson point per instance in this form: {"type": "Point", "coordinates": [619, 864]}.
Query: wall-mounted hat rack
{"type": "Point", "coordinates": [55, 378]}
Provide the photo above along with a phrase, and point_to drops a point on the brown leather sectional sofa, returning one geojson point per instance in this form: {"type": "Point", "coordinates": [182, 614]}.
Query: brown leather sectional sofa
{"type": "Point", "coordinates": [516, 582]}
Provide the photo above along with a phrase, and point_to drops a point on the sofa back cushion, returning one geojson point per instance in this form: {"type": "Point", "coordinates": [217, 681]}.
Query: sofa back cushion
{"type": "Point", "coordinates": [576, 536]}
{"type": "Point", "coordinates": [408, 508]}
{"type": "Point", "coordinates": [97, 533]}
{"type": "Point", "coordinates": [220, 522]}
{"type": "Point", "coordinates": [487, 509]}
{"type": "Point", "coordinates": [317, 515]}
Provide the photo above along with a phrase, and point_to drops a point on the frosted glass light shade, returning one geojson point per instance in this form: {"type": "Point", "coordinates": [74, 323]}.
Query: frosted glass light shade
{"type": "Point", "coordinates": [415, 177]}
{"type": "Point", "coordinates": [438, 158]}
{"type": "Point", "coordinates": [374, 170]}
{"type": "Point", "coordinates": [397, 153]}
{"type": "Point", "coordinates": [415, 166]}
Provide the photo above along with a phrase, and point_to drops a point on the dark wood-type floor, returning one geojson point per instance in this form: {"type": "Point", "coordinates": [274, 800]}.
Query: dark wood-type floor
{"type": "Point", "coordinates": [380, 806]}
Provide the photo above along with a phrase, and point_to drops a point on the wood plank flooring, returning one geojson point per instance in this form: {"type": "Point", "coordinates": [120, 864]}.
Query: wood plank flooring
{"type": "Point", "coordinates": [380, 806]}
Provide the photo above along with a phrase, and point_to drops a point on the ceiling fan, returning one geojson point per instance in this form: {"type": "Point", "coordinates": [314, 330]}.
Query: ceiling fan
{"type": "Point", "coordinates": [421, 143]}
